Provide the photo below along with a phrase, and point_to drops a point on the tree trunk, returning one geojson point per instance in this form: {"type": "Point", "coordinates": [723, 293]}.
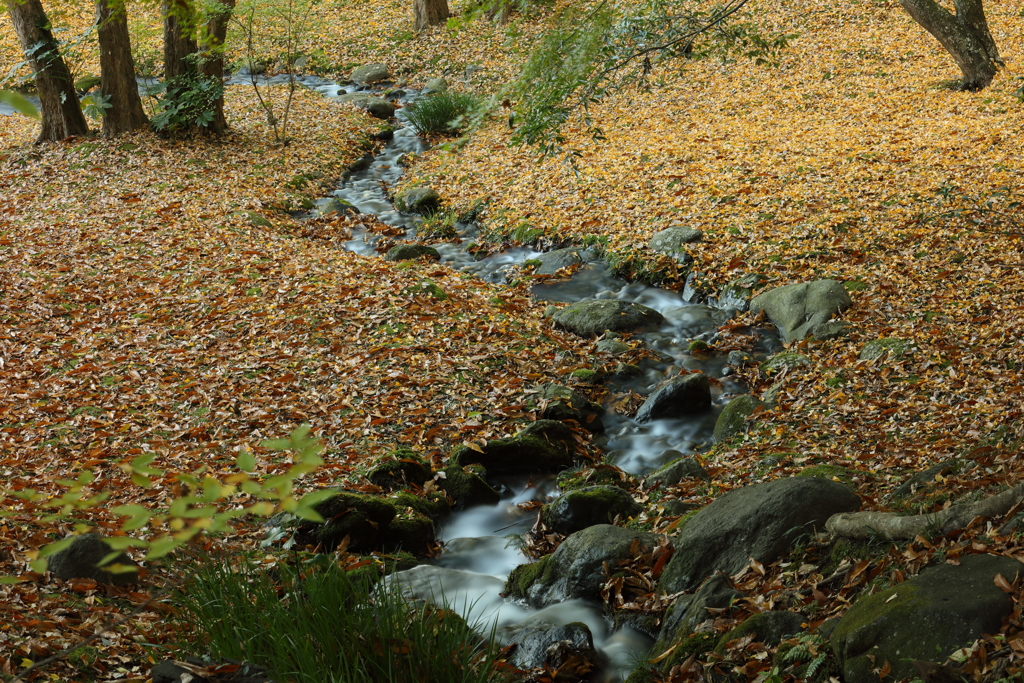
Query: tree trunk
{"type": "Point", "coordinates": [964, 35]}
{"type": "Point", "coordinates": [429, 13]}
{"type": "Point", "coordinates": [118, 84]}
{"type": "Point", "coordinates": [61, 112]}
{"type": "Point", "coordinates": [213, 61]}
{"type": "Point", "coordinates": [179, 40]}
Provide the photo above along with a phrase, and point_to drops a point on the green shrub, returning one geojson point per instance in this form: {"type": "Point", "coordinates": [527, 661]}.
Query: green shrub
{"type": "Point", "coordinates": [320, 623]}
{"type": "Point", "coordinates": [445, 112]}
{"type": "Point", "coordinates": [185, 102]}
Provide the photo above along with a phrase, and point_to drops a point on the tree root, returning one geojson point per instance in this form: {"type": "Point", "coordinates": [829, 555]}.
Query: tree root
{"type": "Point", "coordinates": [892, 526]}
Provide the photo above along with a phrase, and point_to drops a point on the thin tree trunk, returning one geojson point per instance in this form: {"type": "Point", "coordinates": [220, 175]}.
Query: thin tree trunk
{"type": "Point", "coordinates": [429, 13]}
{"type": "Point", "coordinates": [118, 84]}
{"type": "Point", "coordinates": [61, 112]}
{"type": "Point", "coordinates": [964, 35]}
{"type": "Point", "coordinates": [179, 43]}
{"type": "Point", "coordinates": [213, 62]}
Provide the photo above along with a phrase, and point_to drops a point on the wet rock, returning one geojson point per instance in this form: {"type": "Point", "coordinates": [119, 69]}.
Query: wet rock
{"type": "Point", "coordinates": [435, 85]}
{"type": "Point", "coordinates": [418, 200]}
{"type": "Point", "coordinates": [924, 618]}
{"type": "Point", "coordinates": [362, 518]}
{"type": "Point", "coordinates": [678, 397]}
{"type": "Point", "coordinates": [767, 627]}
{"type": "Point", "coordinates": [895, 348]}
{"type": "Point", "coordinates": [544, 446]}
{"type": "Point", "coordinates": [411, 252]}
{"type": "Point", "coordinates": [467, 487]}
{"type": "Point", "coordinates": [398, 469]}
{"type": "Point", "coordinates": [554, 261]}
{"type": "Point", "coordinates": [759, 521]}
{"type": "Point", "coordinates": [798, 309]}
{"type": "Point", "coordinates": [671, 240]}
{"type": "Point", "coordinates": [465, 592]}
{"type": "Point", "coordinates": [732, 419]}
{"type": "Point", "coordinates": [737, 294]}
{"type": "Point", "coordinates": [81, 560]}
{"type": "Point", "coordinates": [550, 646]}
{"type": "Point", "coordinates": [588, 506]}
{"type": "Point", "coordinates": [370, 73]}
{"type": "Point", "coordinates": [576, 569]}
{"type": "Point", "coordinates": [374, 106]}
{"type": "Point", "coordinates": [592, 317]}
{"type": "Point", "coordinates": [690, 610]}
{"type": "Point", "coordinates": [677, 470]}
{"type": "Point", "coordinates": [566, 404]}
{"type": "Point", "coordinates": [740, 358]}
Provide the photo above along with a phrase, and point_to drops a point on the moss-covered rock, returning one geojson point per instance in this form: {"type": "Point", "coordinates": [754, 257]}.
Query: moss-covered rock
{"type": "Point", "coordinates": [398, 469]}
{"type": "Point", "coordinates": [896, 348]}
{"type": "Point", "coordinates": [87, 82]}
{"type": "Point", "coordinates": [598, 475]}
{"type": "Point", "coordinates": [412, 533]}
{"type": "Point", "coordinates": [418, 200]}
{"type": "Point", "coordinates": [589, 506]}
{"type": "Point", "coordinates": [924, 618]}
{"type": "Point", "coordinates": [799, 308]}
{"type": "Point", "coordinates": [565, 404]}
{"type": "Point", "coordinates": [543, 446]}
{"type": "Point", "coordinates": [683, 467]}
{"type": "Point", "coordinates": [521, 578]}
{"type": "Point", "coordinates": [592, 317]}
{"type": "Point", "coordinates": [829, 471]}
{"type": "Point", "coordinates": [584, 375]}
{"type": "Point", "coordinates": [427, 287]}
{"type": "Point", "coordinates": [784, 361]}
{"type": "Point", "coordinates": [411, 252]}
{"type": "Point", "coordinates": [467, 487]}
{"type": "Point", "coordinates": [768, 628]}
{"type": "Point", "coordinates": [359, 517]}
{"type": "Point", "coordinates": [677, 397]}
{"type": "Point", "coordinates": [732, 419]}
{"type": "Point", "coordinates": [433, 505]}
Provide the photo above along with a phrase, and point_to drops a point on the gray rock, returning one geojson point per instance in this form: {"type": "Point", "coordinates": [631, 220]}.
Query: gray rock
{"type": "Point", "coordinates": [732, 419]}
{"type": "Point", "coordinates": [676, 471]}
{"type": "Point", "coordinates": [784, 361]}
{"type": "Point", "coordinates": [410, 252]}
{"type": "Point", "coordinates": [418, 200]}
{"type": "Point", "coordinates": [576, 569]}
{"type": "Point", "coordinates": [550, 646]}
{"type": "Point", "coordinates": [592, 317]}
{"type": "Point", "coordinates": [81, 560]}
{"type": "Point", "coordinates": [372, 105]}
{"type": "Point", "coordinates": [370, 73]}
{"type": "Point", "coordinates": [740, 358]}
{"type": "Point", "coordinates": [768, 628]}
{"type": "Point", "coordinates": [924, 618]}
{"type": "Point", "coordinates": [678, 397]}
{"type": "Point", "coordinates": [544, 446]}
{"type": "Point", "coordinates": [588, 506]}
{"type": "Point", "coordinates": [924, 478]}
{"type": "Point", "coordinates": [833, 329]}
{"type": "Point", "coordinates": [759, 521]}
{"type": "Point", "coordinates": [896, 348]}
{"type": "Point", "coordinates": [671, 240]}
{"type": "Point", "coordinates": [798, 309]}
{"type": "Point", "coordinates": [435, 85]}
{"type": "Point", "coordinates": [690, 610]}
{"type": "Point", "coordinates": [554, 261]}
{"type": "Point", "coordinates": [566, 404]}
{"type": "Point", "coordinates": [612, 346]}
{"type": "Point", "coordinates": [737, 294]}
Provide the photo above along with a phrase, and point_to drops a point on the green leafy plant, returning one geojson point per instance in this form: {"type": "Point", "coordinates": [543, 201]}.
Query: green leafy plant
{"type": "Point", "coordinates": [96, 105]}
{"type": "Point", "coordinates": [184, 102]}
{"type": "Point", "coordinates": [315, 619]}
{"type": "Point", "coordinates": [446, 112]}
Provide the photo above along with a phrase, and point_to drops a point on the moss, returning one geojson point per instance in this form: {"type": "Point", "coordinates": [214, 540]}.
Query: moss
{"type": "Point", "coordinates": [600, 475]}
{"type": "Point", "coordinates": [429, 288]}
{"type": "Point", "coordinates": [828, 471]}
{"type": "Point", "coordinates": [584, 374]}
{"type": "Point", "coordinates": [783, 361]}
{"type": "Point", "coordinates": [399, 468]}
{"type": "Point", "coordinates": [855, 285]}
{"type": "Point", "coordinates": [532, 263]}
{"type": "Point", "coordinates": [896, 348]}
{"type": "Point", "coordinates": [357, 516]}
{"type": "Point", "coordinates": [413, 534]}
{"type": "Point", "coordinates": [467, 487]}
{"type": "Point", "coordinates": [87, 82]}
{"type": "Point", "coordinates": [891, 604]}
{"type": "Point", "coordinates": [642, 674]}
{"type": "Point", "coordinates": [696, 644]}
{"type": "Point", "coordinates": [525, 575]}
{"type": "Point", "coordinates": [698, 346]}
{"type": "Point", "coordinates": [433, 505]}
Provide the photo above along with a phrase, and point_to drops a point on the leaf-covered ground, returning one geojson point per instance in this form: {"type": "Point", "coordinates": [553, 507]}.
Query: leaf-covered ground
{"type": "Point", "coordinates": [142, 309]}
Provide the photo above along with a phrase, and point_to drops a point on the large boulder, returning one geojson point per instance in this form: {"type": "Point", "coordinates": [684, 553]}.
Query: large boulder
{"type": "Point", "coordinates": [759, 521]}
{"type": "Point", "coordinates": [733, 417]}
{"type": "Point", "coordinates": [377, 107]}
{"type": "Point", "coordinates": [588, 506]}
{"type": "Point", "coordinates": [419, 200]}
{"type": "Point", "coordinates": [798, 309]}
{"type": "Point", "coordinates": [576, 569]}
{"type": "Point", "coordinates": [677, 397]}
{"type": "Point", "coordinates": [83, 559]}
{"type": "Point", "coordinates": [767, 627]}
{"type": "Point", "coordinates": [671, 240]}
{"type": "Point", "coordinates": [370, 73]}
{"type": "Point", "coordinates": [545, 446]}
{"type": "Point", "coordinates": [591, 317]}
{"type": "Point", "coordinates": [565, 404]}
{"type": "Point", "coordinates": [925, 618]}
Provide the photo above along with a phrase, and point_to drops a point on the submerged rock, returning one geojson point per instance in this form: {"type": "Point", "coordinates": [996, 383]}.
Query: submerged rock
{"type": "Point", "coordinates": [924, 618]}
{"type": "Point", "coordinates": [588, 506]}
{"type": "Point", "coordinates": [798, 309]}
{"type": "Point", "coordinates": [544, 446]}
{"type": "Point", "coordinates": [759, 521]}
{"type": "Point", "coordinates": [591, 317]}
{"type": "Point", "coordinates": [678, 397]}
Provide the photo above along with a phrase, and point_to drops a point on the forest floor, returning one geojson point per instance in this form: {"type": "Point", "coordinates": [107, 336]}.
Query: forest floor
{"type": "Point", "coordinates": [156, 298]}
